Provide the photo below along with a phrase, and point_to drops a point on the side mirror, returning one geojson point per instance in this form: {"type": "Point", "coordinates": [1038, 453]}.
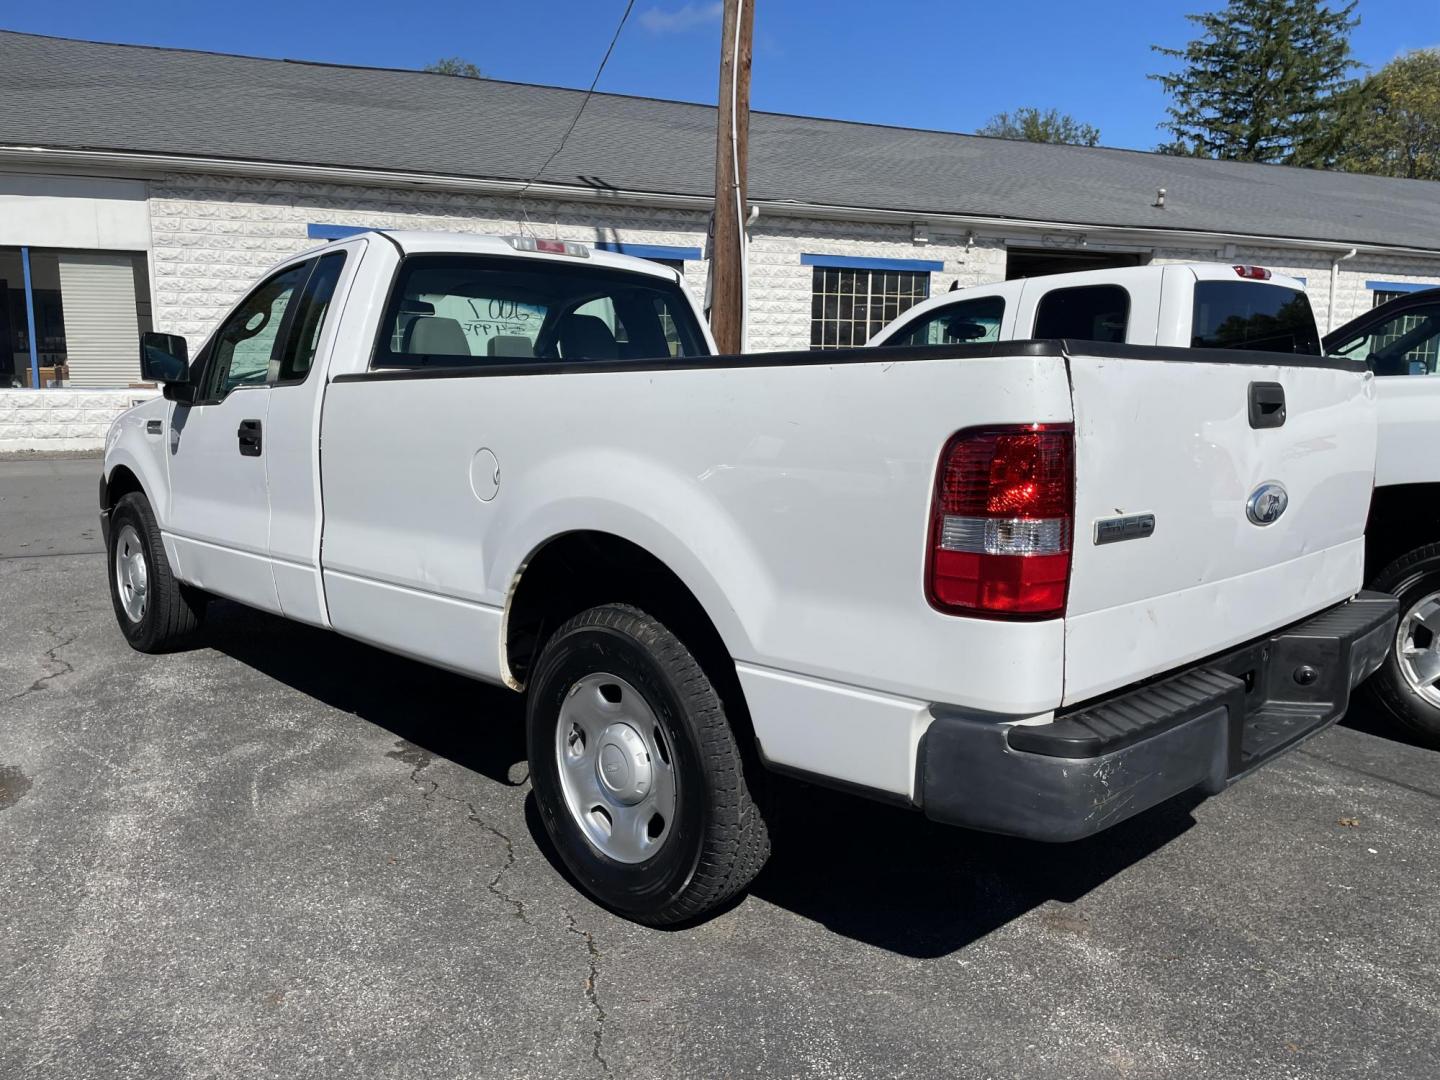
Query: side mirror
{"type": "Point", "coordinates": [164, 358]}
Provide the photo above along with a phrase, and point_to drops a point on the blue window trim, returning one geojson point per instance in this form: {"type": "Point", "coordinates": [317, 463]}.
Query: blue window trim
{"type": "Point", "coordinates": [1397, 286]}
{"type": "Point", "coordinates": [30, 329]}
{"type": "Point", "coordinates": [855, 262]}
{"type": "Point", "coordinates": [334, 232]}
{"type": "Point", "coordinates": [652, 251]}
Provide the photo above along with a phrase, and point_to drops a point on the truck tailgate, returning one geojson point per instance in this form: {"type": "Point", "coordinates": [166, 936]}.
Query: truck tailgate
{"type": "Point", "coordinates": [1176, 439]}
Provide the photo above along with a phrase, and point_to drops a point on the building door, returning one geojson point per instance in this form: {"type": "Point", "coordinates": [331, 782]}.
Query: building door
{"type": "Point", "coordinates": [1038, 262]}
{"type": "Point", "coordinates": [219, 510]}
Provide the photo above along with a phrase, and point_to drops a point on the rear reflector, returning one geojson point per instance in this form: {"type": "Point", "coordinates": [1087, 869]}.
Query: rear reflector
{"type": "Point", "coordinates": [1002, 522]}
{"type": "Point", "coordinates": [1255, 273]}
{"type": "Point", "coordinates": [549, 247]}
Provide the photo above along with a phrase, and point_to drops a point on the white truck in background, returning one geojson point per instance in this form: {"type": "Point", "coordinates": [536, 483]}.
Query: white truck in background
{"type": "Point", "coordinates": [1400, 343]}
{"type": "Point", "coordinates": [1223, 306]}
{"type": "Point", "coordinates": [1029, 587]}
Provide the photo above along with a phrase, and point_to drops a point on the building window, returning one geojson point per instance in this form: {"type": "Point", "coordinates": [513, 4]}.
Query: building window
{"type": "Point", "coordinates": [90, 308]}
{"type": "Point", "coordinates": [849, 306]}
{"type": "Point", "coordinates": [1383, 296]}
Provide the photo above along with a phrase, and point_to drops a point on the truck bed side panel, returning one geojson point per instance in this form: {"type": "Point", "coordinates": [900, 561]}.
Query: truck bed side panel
{"type": "Point", "coordinates": [792, 500]}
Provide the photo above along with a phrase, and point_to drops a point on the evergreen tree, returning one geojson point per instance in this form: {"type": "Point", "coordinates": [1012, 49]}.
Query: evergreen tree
{"type": "Point", "coordinates": [1032, 125]}
{"type": "Point", "coordinates": [1266, 81]}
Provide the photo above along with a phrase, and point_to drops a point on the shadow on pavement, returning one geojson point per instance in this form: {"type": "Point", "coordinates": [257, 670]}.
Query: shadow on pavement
{"type": "Point", "coordinates": [892, 879]}
{"type": "Point", "coordinates": [477, 726]}
{"type": "Point", "coordinates": [1370, 718]}
{"type": "Point", "coordinates": [871, 872]}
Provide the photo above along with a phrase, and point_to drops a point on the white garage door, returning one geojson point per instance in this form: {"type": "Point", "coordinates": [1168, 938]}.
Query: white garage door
{"type": "Point", "coordinates": [101, 328]}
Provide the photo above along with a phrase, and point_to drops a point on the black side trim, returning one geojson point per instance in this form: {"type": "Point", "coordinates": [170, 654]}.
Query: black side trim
{"type": "Point", "coordinates": [879, 355]}
{"type": "Point", "coordinates": [1180, 355]}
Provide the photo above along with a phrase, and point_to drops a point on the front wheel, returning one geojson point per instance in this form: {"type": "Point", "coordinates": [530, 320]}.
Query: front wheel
{"type": "Point", "coordinates": [637, 772]}
{"type": "Point", "coordinates": [156, 613]}
{"type": "Point", "coordinates": [1408, 683]}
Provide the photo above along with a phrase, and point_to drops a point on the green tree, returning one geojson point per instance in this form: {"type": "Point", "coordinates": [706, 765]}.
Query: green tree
{"type": "Point", "coordinates": [1033, 125]}
{"type": "Point", "coordinates": [1268, 80]}
{"type": "Point", "coordinates": [455, 65]}
{"type": "Point", "coordinates": [1395, 120]}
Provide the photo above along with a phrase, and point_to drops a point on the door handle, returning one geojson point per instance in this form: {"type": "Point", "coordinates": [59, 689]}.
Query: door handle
{"type": "Point", "coordinates": [249, 436]}
{"type": "Point", "coordinates": [1267, 405]}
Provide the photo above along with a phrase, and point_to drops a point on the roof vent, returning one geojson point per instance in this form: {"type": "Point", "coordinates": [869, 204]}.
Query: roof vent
{"type": "Point", "coordinates": [1159, 198]}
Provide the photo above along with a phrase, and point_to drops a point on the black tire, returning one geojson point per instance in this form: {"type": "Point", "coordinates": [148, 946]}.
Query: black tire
{"type": "Point", "coordinates": [172, 611]}
{"type": "Point", "coordinates": [719, 841]}
{"type": "Point", "coordinates": [1409, 579]}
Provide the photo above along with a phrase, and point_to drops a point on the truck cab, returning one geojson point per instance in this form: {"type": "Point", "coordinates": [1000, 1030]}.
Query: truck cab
{"type": "Point", "coordinates": [1195, 305]}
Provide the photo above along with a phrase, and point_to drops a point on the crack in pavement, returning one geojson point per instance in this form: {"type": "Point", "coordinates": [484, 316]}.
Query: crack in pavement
{"type": "Point", "coordinates": [51, 659]}
{"type": "Point", "coordinates": [493, 885]}
{"type": "Point", "coordinates": [51, 555]}
{"type": "Point", "coordinates": [419, 760]}
{"type": "Point", "coordinates": [591, 992]}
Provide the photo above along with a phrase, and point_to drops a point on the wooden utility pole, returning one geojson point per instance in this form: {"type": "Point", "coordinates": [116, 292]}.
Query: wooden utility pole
{"type": "Point", "coordinates": [732, 147]}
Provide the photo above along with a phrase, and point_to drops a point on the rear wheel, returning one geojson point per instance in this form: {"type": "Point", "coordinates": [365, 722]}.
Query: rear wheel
{"type": "Point", "coordinates": [156, 613]}
{"type": "Point", "coordinates": [1408, 683]}
{"type": "Point", "coordinates": [637, 772]}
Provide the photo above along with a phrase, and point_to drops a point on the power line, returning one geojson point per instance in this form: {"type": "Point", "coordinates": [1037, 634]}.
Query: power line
{"type": "Point", "coordinates": [578, 112]}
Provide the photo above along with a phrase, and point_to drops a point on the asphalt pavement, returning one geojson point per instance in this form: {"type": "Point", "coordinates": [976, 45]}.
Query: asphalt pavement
{"type": "Point", "coordinates": [284, 854]}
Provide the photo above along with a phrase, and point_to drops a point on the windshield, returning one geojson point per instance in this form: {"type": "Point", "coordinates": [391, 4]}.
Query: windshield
{"type": "Point", "coordinates": [1252, 315]}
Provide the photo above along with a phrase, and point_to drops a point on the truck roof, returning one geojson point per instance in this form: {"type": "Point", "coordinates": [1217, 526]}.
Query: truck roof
{"type": "Point", "coordinates": [1121, 275]}
{"type": "Point", "coordinates": [1114, 275]}
{"type": "Point", "coordinates": [414, 242]}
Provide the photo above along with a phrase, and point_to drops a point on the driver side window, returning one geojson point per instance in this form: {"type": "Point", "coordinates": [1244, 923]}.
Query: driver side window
{"type": "Point", "coordinates": [241, 351]}
{"type": "Point", "coordinates": [1408, 344]}
{"type": "Point", "coordinates": [966, 323]}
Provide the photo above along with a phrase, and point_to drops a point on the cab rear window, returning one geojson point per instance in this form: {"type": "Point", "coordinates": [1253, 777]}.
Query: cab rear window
{"type": "Point", "coordinates": [1251, 315]}
{"type": "Point", "coordinates": [1083, 313]}
{"type": "Point", "coordinates": [450, 310]}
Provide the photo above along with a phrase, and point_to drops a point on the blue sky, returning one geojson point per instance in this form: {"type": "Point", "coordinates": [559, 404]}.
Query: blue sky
{"type": "Point", "coordinates": [946, 64]}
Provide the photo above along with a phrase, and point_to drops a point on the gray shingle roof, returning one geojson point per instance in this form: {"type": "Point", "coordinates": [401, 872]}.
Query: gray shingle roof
{"type": "Point", "coordinates": [57, 92]}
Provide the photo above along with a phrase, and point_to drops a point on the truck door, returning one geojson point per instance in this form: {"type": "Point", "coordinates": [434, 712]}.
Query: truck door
{"type": "Point", "coordinates": [219, 512]}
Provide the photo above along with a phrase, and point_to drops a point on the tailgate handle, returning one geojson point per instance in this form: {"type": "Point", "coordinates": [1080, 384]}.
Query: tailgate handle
{"type": "Point", "coordinates": [1267, 405]}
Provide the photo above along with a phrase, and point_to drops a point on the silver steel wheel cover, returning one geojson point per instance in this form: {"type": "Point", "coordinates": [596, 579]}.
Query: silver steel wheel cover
{"type": "Point", "coordinates": [132, 576]}
{"type": "Point", "coordinates": [616, 769]}
{"type": "Point", "coordinates": [1417, 647]}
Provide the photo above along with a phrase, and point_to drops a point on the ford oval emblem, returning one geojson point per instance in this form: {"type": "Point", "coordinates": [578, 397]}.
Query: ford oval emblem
{"type": "Point", "coordinates": [1266, 503]}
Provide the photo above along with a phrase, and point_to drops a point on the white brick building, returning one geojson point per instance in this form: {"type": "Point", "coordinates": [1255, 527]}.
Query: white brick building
{"type": "Point", "coordinates": [152, 191]}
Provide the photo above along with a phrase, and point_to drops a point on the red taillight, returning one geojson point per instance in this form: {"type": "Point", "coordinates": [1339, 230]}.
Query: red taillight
{"type": "Point", "coordinates": [1002, 521]}
{"type": "Point", "coordinates": [1255, 273]}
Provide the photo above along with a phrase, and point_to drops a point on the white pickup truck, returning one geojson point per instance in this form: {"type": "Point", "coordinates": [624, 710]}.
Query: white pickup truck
{"type": "Point", "coordinates": [1029, 587]}
{"type": "Point", "coordinates": [1400, 343]}
{"type": "Point", "coordinates": [1223, 306]}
